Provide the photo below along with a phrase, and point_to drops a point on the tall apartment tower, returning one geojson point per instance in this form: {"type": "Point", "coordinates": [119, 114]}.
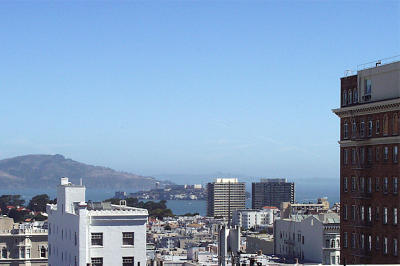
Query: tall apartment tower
{"type": "Point", "coordinates": [369, 167]}
{"type": "Point", "coordinates": [83, 233]}
{"type": "Point", "coordinates": [224, 196]}
{"type": "Point", "coordinates": [271, 192]}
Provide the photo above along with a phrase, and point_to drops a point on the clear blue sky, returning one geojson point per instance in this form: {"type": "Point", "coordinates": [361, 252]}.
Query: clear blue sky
{"type": "Point", "coordinates": [194, 87]}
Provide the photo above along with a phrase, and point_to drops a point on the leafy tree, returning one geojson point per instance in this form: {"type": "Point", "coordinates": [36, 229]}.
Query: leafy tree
{"type": "Point", "coordinates": [12, 200]}
{"type": "Point", "coordinates": [38, 203]}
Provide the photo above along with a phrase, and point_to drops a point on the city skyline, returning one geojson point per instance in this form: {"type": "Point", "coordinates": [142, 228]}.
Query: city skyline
{"type": "Point", "coordinates": [186, 88]}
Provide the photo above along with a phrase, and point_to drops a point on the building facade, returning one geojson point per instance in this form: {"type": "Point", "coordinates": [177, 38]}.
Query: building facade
{"type": "Point", "coordinates": [369, 168]}
{"type": "Point", "coordinates": [309, 238]}
{"type": "Point", "coordinates": [249, 218]}
{"type": "Point", "coordinates": [271, 192]}
{"type": "Point", "coordinates": [24, 244]}
{"type": "Point", "coordinates": [224, 196]}
{"type": "Point", "coordinates": [82, 233]}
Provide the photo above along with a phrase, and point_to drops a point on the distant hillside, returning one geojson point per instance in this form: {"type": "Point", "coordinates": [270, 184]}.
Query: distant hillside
{"type": "Point", "coordinates": [45, 171]}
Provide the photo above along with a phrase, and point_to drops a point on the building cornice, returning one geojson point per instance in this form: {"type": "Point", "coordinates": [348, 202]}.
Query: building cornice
{"type": "Point", "coordinates": [372, 141]}
{"type": "Point", "coordinates": [368, 108]}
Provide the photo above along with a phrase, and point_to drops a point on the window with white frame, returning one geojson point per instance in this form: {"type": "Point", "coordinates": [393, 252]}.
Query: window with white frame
{"type": "Point", "coordinates": [369, 243]}
{"type": "Point", "coordinates": [395, 216]}
{"type": "Point", "coordinates": [362, 241]}
{"type": "Point", "coordinates": [4, 253]}
{"type": "Point", "coordinates": [22, 253]}
{"type": "Point", "coordinates": [97, 239]}
{"type": "Point", "coordinates": [127, 238]}
{"type": "Point", "coordinates": [362, 213]}
{"type": "Point", "coordinates": [127, 261]}
{"type": "Point", "coordinates": [362, 129]}
{"type": "Point", "coordinates": [370, 124]}
{"type": "Point", "coordinates": [97, 261]}
{"type": "Point", "coordinates": [28, 253]}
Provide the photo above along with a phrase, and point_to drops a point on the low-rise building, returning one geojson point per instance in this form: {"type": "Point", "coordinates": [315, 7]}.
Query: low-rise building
{"type": "Point", "coordinates": [22, 244]}
{"type": "Point", "coordinates": [310, 238]}
{"type": "Point", "coordinates": [250, 218]}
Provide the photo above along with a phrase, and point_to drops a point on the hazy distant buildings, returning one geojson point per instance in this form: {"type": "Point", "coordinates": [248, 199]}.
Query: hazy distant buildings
{"type": "Point", "coordinates": [224, 196]}
{"type": "Point", "coordinates": [272, 192]}
{"type": "Point", "coordinates": [369, 165]}
{"type": "Point", "coordinates": [95, 234]}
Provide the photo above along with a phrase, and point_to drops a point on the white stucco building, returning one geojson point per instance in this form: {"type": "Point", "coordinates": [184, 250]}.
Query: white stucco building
{"type": "Point", "coordinates": [249, 218]}
{"type": "Point", "coordinates": [310, 238]}
{"type": "Point", "coordinates": [97, 234]}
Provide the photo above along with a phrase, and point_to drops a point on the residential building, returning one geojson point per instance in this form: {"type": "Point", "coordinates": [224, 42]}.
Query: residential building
{"type": "Point", "coordinates": [369, 164]}
{"type": "Point", "coordinates": [22, 244]}
{"type": "Point", "coordinates": [84, 233]}
{"type": "Point", "coordinates": [249, 218]}
{"type": "Point", "coordinates": [260, 242]}
{"type": "Point", "coordinates": [224, 196]}
{"type": "Point", "coordinates": [309, 238]}
{"type": "Point", "coordinates": [272, 192]}
{"type": "Point", "coordinates": [288, 209]}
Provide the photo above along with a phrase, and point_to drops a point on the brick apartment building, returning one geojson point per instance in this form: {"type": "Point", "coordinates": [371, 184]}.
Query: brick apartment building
{"type": "Point", "coordinates": [369, 165]}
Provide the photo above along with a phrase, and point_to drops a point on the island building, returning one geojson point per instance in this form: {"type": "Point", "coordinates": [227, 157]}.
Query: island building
{"type": "Point", "coordinates": [23, 244]}
{"type": "Point", "coordinates": [271, 192]}
{"type": "Point", "coordinates": [96, 234]}
{"type": "Point", "coordinates": [225, 195]}
{"type": "Point", "coordinates": [369, 164]}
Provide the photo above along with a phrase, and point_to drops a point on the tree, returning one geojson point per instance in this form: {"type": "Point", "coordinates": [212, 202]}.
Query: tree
{"type": "Point", "coordinates": [10, 200]}
{"type": "Point", "coordinates": [38, 203]}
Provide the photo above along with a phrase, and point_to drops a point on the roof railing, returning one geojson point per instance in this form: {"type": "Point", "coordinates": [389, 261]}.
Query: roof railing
{"type": "Point", "coordinates": [372, 64]}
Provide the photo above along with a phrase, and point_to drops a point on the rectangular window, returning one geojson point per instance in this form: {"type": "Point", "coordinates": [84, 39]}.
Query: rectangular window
{"type": "Point", "coordinates": [395, 154]}
{"type": "Point", "coordinates": [377, 186]}
{"type": "Point", "coordinates": [97, 239]}
{"type": "Point", "coordinates": [353, 156]}
{"type": "Point", "coordinates": [385, 245]}
{"type": "Point", "coordinates": [368, 87]}
{"type": "Point", "coordinates": [127, 261]}
{"type": "Point", "coordinates": [22, 253]}
{"type": "Point", "coordinates": [377, 213]}
{"type": "Point", "coordinates": [362, 213]}
{"type": "Point", "coordinates": [362, 184]}
{"type": "Point", "coordinates": [345, 212]}
{"type": "Point", "coordinates": [354, 129]}
{"type": "Point", "coordinates": [377, 244]}
{"type": "Point", "coordinates": [369, 243]}
{"type": "Point", "coordinates": [377, 125]}
{"type": "Point", "coordinates": [395, 216]}
{"type": "Point", "coordinates": [377, 153]}
{"type": "Point", "coordinates": [369, 189]}
{"type": "Point", "coordinates": [369, 155]}
{"type": "Point", "coordinates": [395, 185]}
{"type": "Point", "coordinates": [362, 155]}
{"type": "Point", "coordinates": [370, 128]}
{"type": "Point", "coordinates": [127, 238]}
{"type": "Point", "coordinates": [345, 130]}
{"type": "Point", "coordinates": [345, 239]}
{"type": "Point", "coordinates": [395, 248]}
{"type": "Point", "coordinates": [97, 261]}
{"type": "Point", "coordinates": [369, 214]}
{"type": "Point", "coordinates": [4, 253]}
{"type": "Point", "coordinates": [28, 253]}
{"type": "Point", "coordinates": [362, 241]}
{"type": "Point", "coordinates": [353, 211]}
{"type": "Point", "coordinates": [345, 156]}
{"type": "Point", "coordinates": [385, 184]}
{"type": "Point", "coordinates": [353, 183]}
{"type": "Point", "coordinates": [353, 240]}
{"type": "Point", "coordinates": [384, 215]}
{"type": "Point", "coordinates": [362, 129]}
{"type": "Point", "coordinates": [385, 153]}
{"type": "Point", "coordinates": [345, 184]}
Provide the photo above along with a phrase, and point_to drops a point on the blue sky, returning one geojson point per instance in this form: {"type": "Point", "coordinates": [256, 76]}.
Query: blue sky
{"type": "Point", "coordinates": [186, 87]}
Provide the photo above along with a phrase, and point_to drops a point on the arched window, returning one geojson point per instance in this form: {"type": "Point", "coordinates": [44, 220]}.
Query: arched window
{"type": "Point", "coordinates": [395, 124]}
{"type": "Point", "coordinates": [350, 96]}
{"type": "Point", "coordinates": [4, 253]}
{"type": "Point", "coordinates": [385, 125]}
{"type": "Point", "coordinates": [345, 98]}
{"type": "Point", "coordinates": [43, 252]}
